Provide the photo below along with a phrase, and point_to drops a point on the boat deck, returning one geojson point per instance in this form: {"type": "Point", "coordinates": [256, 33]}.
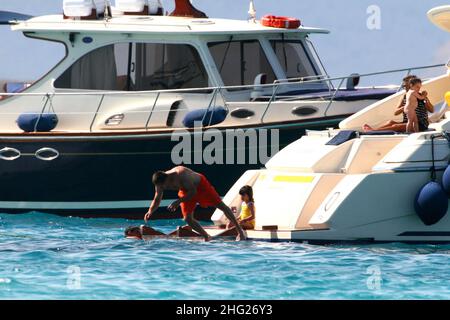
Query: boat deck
{"type": "Point", "coordinates": [258, 234]}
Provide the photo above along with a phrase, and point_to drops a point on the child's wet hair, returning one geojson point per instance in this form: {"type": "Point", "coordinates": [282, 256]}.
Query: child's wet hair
{"type": "Point", "coordinates": [414, 81]}
{"type": "Point", "coordinates": [247, 190]}
{"type": "Point", "coordinates": [407, 80]}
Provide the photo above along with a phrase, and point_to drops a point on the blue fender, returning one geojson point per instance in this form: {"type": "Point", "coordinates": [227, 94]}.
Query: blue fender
{"type": "Point", "coordinates": [46, 122]}
{"type": "Point", "coordinates": [431, 203]}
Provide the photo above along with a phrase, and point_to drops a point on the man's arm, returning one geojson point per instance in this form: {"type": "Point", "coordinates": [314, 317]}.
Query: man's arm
{"type": "Point", "coordinates": [155, 203]}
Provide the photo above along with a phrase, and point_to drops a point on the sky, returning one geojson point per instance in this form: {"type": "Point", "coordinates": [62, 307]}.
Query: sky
{"type": "Point", "coordinates": [366, 35]}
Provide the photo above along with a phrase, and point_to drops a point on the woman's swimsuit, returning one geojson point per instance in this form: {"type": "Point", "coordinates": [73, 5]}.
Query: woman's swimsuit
{"type": "Point", "coordinates": [422, 115]}
{"type": "Point", "coordinates": [405, 117]}
{"type": "Point", "coordinates": [421, 112]}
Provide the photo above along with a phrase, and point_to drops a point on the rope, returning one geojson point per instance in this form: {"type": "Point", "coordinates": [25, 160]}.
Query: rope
{"type": "Point", "coordinates": [226, 54]}
{"type": "Point", "coordinates": [433, 167]}
{"type": "Point", "coordinates": [284, 53]}
{"type": "Point", "coordinates": [446, 135]}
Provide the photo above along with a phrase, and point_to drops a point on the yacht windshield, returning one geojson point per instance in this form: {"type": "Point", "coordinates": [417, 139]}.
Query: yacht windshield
{"type": "Point", "coordinates": [137, 67]}
{"type": "Point", "coordinates": [295, 60]}
{"type": "Point", "coordinates": [239, 62]}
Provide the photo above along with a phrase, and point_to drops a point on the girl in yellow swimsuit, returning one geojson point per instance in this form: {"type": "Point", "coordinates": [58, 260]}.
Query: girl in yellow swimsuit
{"type": "Point", "coordinates": [247, 217]}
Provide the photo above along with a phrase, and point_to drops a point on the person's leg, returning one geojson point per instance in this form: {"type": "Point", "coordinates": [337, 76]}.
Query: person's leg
{"type": "Point", "coordinates": [412, 126]}
{"type": "Point", "coordinates": [387, 124]}
{"type": "Point", "coordinates": [189, 218]}
{"type": "Point", "coordinates": [230, 216]}
{"type": "Point", "coordinates": [399, 127]}
{"type": "Point", "coordinates": [409, 127]}
{"type": "Point", "coordinates": [208, 196]}
{"type": "Point", "coordinates": [247, 225]}
{"type": "Point", "coordinates": [187, 209]}
{"type": "Point", "coordinates": [385, 127]}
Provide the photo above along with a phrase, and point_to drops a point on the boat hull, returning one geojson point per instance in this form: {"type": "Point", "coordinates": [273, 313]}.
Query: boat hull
{"type": "Point", "coordinates": [106, 175]}
{"type": "Point", "coordinates": [360, 208]}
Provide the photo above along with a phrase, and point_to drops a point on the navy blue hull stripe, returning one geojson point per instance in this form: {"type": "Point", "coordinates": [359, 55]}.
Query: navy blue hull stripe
{"type": "Point", "coordinates": [425, 234]}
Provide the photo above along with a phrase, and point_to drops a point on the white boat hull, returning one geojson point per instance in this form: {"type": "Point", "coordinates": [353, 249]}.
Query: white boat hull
{"type": "Point", "coordinates": [360, 208]}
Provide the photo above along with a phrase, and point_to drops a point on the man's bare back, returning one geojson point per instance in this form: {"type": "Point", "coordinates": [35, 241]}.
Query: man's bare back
{"type": "Point", "coordinates": [182, 178]}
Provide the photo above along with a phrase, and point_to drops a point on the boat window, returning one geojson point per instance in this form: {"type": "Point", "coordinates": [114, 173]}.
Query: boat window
{"type": "Point", "coordinates": [294, 59]}
{"type": "Point", "coordinates": [239, 62]}
{"type": "Point", "coordinates": [19, 78]}
{"type": "Point", "coordinates": [137, 67]}
{"type": "Point", "coordinates": [316, 58]}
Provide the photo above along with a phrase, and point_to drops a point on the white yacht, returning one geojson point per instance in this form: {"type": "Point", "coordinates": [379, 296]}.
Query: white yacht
{"type": "Point", "coordinates": [85, 138]}
{"type": "Point", "coordinates": [343, 185]}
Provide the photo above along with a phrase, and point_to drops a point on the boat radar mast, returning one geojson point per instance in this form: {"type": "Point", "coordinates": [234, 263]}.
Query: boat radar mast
{"type": "Point", "coordinates": [184, 8]}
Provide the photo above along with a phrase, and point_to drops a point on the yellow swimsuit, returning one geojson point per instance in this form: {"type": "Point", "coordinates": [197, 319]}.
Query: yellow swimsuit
{"type": "Point", "coordinates": [246, 213]}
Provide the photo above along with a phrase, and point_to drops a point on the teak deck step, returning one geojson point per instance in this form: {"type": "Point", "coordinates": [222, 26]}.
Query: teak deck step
{"type": "Point", "coordinates": [184, 232]}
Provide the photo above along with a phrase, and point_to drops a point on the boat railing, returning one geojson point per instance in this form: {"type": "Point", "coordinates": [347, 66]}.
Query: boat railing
{"type": "Point", "coordinates": [270, 93]}
{"type": "Point", "coordinates": [149, 22]}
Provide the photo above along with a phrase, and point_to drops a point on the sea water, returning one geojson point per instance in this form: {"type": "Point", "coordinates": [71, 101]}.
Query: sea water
{"type": "Point", "coordinates": [50, 257]}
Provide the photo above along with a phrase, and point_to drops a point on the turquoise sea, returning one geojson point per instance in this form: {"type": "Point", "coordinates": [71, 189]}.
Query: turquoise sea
{"type": "Point", "coordinates": [50, 257]}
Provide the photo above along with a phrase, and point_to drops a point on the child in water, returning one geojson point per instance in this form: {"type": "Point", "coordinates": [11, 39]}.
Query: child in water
{"type": "Point", "coordinates": [247, 217]}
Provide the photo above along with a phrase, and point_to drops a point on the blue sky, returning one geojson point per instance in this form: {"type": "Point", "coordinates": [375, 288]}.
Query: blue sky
{"type": "Point", "coordinates": [406, 37]}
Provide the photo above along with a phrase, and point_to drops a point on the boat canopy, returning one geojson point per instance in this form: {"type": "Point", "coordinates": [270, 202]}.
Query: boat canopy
{"type": "Point", "coordinates": [153, 24]}
{"type": "Point", "coordinates": [440, 16]}
{"type": "Point", "coordinates": [7, 17]}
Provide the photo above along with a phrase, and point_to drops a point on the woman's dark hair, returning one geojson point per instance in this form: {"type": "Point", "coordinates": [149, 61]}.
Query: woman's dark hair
{"type": "Point", "coordinates": [414, 81]}
{"type": "Point", "coordinates": [407, 80]}
{"type": "Point", "coordinates": [159, 178]}
{"type": "Point", "coordinates": [131, 231]}
{"type": "Point", "coordinates": [247, 190]}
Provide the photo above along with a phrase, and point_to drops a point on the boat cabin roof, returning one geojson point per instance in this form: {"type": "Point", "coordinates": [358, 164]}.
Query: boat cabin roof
{"type": "Point", "coordinates": [153, 24]}
{"type": "Point", "coordinates": [440, 16]}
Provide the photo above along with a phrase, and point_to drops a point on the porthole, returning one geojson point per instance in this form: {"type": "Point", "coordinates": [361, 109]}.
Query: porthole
{"type": "Point", "coordinates": [242, 113]}
{"type": "Point", "coordinates": [304, 111]}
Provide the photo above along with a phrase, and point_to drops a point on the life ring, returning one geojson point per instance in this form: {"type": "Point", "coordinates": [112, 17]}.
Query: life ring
{"type": "Point", "coordinates": [280, 22]}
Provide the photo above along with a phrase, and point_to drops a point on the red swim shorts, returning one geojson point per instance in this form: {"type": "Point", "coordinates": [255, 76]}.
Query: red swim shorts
{"type": "Point", "coordinates": [206, 196]}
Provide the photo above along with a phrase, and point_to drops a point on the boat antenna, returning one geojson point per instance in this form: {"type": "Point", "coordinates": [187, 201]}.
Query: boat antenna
{"type": "Point", "coordinates": [252, 12]}
{"type": "Point", "coordinates": [107, 14]}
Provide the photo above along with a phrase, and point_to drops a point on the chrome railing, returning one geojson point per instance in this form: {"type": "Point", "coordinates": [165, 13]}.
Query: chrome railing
{"type": "Point", "coordinates": [270, 93]}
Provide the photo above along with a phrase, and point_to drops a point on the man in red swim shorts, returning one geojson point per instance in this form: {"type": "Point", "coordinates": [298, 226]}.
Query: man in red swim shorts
{"type": "Point", "coordinates": [193, 188]}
